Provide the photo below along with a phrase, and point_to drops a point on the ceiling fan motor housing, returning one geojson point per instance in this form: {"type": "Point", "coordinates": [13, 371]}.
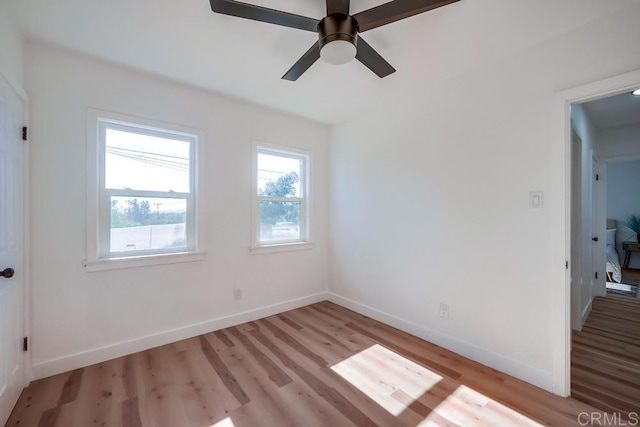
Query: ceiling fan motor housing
{"type": "Point", "coordinates": [339, 38]}
{"type": "Point", "coordinates": [338, 27]}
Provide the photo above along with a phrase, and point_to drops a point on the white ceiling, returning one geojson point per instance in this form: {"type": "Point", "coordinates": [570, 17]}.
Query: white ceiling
{"type": "Point", "coordinates": [614, 111]}
{"type": "Point", "coordinates": [185, 41]}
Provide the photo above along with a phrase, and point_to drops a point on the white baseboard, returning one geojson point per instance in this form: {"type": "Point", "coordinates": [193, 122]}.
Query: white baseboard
{"type": "Point", "coordinates": [530, 374]}
{"type": "Point", "coordinates": [112, 351]}
{"type": "Point", "coordinates": [585, 313]}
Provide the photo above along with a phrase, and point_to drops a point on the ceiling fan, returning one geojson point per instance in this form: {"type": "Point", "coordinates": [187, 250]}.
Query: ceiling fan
{"type": "Point", "coordinates": [338, 32]}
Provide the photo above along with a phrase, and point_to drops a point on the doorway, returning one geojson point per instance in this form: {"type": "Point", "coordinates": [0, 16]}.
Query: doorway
{"type": "Point", "coordinates": [604, 189]}
{"type": "Point", "coordinates": [562, 299]}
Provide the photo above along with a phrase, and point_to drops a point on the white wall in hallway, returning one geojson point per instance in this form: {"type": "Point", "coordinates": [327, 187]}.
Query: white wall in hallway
{"type": "Point", "coordinates": [620, 142]}
{"type": "Point", "coordinates": [617, 147]}
{"type": "Point", "coordinates": [623, 184]}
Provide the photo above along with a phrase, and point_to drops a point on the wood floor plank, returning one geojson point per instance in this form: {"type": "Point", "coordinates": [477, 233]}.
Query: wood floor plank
{"type": "Point", "coordinates": [310, 320]}
{"type": "Point", "coordinates": [71, 387]}
{"type": "Point", "coordinates": [129, 378]}
{"type": "Point", "coordinates": [324, 365]}
{"type": "Point", "coordinates": [362, 401]}
{"type": "Point", "coordinates": [263, 392]}
{"type": "Point", "coordinates": [196, 399]}
{"type": "Point", "coordinates": [225, 375]}
{"type": "Point", "coordinates": [277, 375]}
{"type": "Point", "coordinates": [95, 396]}
{"type": "Point", "coordinates": [69, 393]}
{"type": "Point", "coordinates": [342, 340]}
{"type": "Point", "coordinates": [67, 414]}
{"type": "Point", "coordinates": [330, 350]}
{"type": "Point", "coordinates": [292, 342]}
{"type": "Point", "coordinates": [289, 322]}
{"type": "Point", "coordinates": [427, 362]}
{"type": "Point", "coordinates": [411, 403]}
{"type": "Point", "coordinates": [224, 338]}
{"type": "Point", "coordinates": [224, 402]}
{"type": "Point", "coordinates": [321, 388]}
{"type": "Point", "coordinates": [605, 370]}
{"type": "Point", "coordinates": [40, 396]}
{"type": "Point", "coordinates": [131, 412]}
{"type": "Point", "coordinates": [310, 407]}
{"type": "Point", "coordinates": [162, 406]}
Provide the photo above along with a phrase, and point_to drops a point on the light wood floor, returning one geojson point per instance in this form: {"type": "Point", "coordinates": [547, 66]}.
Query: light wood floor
{"type": "Point", "coordinates": [605, 356]}
{"type": "Point", "coordinates": [320, 365]}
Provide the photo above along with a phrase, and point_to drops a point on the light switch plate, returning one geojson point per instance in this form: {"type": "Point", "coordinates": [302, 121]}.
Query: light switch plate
{"type": "Point", "coordinates": [536, 199]}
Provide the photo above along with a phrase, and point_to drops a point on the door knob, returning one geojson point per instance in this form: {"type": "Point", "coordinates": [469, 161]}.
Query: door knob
{"type": "Point", "coordinates": [595, 239]}
{"type": "Point", "coordinates": [7, 273]}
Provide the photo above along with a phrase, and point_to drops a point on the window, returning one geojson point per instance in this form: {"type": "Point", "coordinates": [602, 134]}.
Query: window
{"type": "Point", "coordinates": [146, 190]}
{"type": "Point", "coordinates": [280, 208]}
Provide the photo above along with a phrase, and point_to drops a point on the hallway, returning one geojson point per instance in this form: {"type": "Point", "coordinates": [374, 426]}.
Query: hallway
{"type": "Point", "coordinates": [605, 356]}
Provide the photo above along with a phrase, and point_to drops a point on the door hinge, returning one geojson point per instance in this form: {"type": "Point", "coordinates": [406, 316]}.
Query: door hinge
{"type": "Point", "coordinates": [24, 133]}
{"type": "Point", "coordinates": [596, 274]}
{"type": "Point", "coordinates": [597, 177]}
{"type": "Point", "coordinates": [25, 344]}
{"type": "Point", "coordinates": [566, 265]}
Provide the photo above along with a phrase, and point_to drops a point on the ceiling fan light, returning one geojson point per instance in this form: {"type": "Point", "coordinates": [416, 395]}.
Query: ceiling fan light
{"type": "Point", "coordinates": [636, 92]}
{"type": "Point", "coordinates": [338, 52]}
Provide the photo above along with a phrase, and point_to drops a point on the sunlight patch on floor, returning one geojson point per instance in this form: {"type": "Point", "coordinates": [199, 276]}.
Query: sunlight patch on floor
{"type": "Point", "coordinates": [382, 374]}
{"type": "Point", "coordinates": [620, 286]}
{"type": "Point", "coordinates": [465, 406]}
{"type": "Point", "coordinates": [397, 383]}
{"type": "Point", "coordinates": [224, 423]}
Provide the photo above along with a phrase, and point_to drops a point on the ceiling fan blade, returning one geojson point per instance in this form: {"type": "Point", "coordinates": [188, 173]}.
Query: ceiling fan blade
{"type": "Point", "coordinates": [394, 11]}
{"type": "Point", "coordinates": [303, 64]}
{"type": "Point", "coordinates": [264, 14]}
{"type": "Point", "coordinates": [338, 7]}
{"type": "Point", "coordinates": [372, 59]}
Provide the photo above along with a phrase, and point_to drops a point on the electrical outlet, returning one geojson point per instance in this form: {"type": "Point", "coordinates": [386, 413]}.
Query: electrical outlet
{"type": "Point", "coordinates": [444, 311]}
{"type": "Point", "coordinates": [237, 293]}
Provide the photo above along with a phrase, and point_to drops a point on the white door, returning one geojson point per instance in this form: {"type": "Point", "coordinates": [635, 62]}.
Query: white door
{"type": "Point", "coordinates": [12, 372]}
{"type": "Point", "coordinates": [595, 258]}
{"type": "Point", "coordinates": [601, 227]}
{"type": "Point", "coordinates": [576, 232]}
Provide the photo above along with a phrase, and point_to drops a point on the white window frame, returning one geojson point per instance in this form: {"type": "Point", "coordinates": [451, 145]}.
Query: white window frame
{"type": "Point", "coordinates": [99, 255]}
{"type": "Point", "coordinates": [303, 242]}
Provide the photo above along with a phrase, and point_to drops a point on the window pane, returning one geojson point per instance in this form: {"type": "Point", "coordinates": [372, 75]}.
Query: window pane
{"type": "Point", "coordinates": [278, 176]}
{"type": "Point", "coordinates": [144, 162]}
{"type": "Point", "coordinates": [146, 223]}
{"type": "Point", "coordinates": [279, 221]}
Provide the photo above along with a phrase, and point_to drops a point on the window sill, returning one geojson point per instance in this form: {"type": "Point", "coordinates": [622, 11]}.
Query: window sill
{"type": "Point", "coordinates": [142, 261]}
{"type": "Point", "coordinates": [280, 247]}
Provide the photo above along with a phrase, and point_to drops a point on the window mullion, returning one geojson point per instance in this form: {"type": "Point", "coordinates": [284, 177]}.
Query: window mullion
{"type": "Point", "coordinates": [280, 199]}
{"type": "Point", "coordinates": [143, 193]}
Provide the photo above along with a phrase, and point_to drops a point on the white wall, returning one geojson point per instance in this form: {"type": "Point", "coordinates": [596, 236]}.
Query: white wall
{"type": "Point", "coordinates": [436, 183]}
{"type": "Point", "coordinates": [584, 290]}
{"type": "Point", "coordinates": [576, 231]}
{"type": "Point", "coordinates": [615, 145]}
{"type": "Point", "coordinates": [10, 47]}
{"type": "Point", "coordinates": [623, 182]}
{"type": "Point", "coordinates": [618, 143]}
{"type": "Point", "coordinates": [80, 317]}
